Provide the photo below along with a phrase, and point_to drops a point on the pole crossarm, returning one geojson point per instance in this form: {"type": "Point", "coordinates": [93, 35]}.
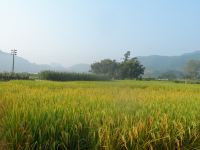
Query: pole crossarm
{"type": "Point", "coordinates": [14, 52]}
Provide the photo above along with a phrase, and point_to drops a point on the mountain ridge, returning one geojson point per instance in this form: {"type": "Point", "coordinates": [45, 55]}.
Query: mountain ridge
{"type": "Point", "coordinates": [160, 64]}
{"type": "Point", "coordinates": [154, 64]}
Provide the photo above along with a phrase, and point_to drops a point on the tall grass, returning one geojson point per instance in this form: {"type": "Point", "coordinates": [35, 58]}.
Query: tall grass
{"type": "Point", "coordinates": [67, 76]}
{"type": "Point", "coordinates": [100, 115]}
{"type": "Point", "coordinates": [13, 76]}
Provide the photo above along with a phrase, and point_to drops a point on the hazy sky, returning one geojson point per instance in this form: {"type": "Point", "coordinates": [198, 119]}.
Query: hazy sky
{"type": "Point", "coordinates": [82, 31]}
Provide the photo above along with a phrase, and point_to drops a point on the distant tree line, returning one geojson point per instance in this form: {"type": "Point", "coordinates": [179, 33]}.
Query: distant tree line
{"type": "Point", "coordinates": [190, 71]}
{"type": "Point", "coordinates": [69, 76]}
{"type": "Point", "coordinates": [129, 68]}
{"type": "Point", "coordinates": [172, 75]}
{"type": "Point", "coordinates": [6, 76]}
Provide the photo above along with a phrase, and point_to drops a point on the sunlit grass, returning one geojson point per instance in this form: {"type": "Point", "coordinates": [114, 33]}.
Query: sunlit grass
{"type": "Point", "coordinates": [99, 115]}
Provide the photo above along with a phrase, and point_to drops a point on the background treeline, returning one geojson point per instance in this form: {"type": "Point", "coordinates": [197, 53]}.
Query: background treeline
{"type": "Point", "coordinates": [14, 76]}
{"type": "Point", "coordinates": [67, 76]}
{"type": "Point", "coordinates": [129, 68]}
{"type": "Point", "coordinates": [191, 71]}
{"type": "Point", "coordinates": [54, 76]}
{"type": "Point", "coordinates": [107, 69]}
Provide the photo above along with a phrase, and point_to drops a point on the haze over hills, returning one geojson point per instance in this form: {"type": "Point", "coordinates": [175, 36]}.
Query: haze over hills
{"type": "Point", "coordinates": [155, 64]}
{"type": "Point", "coordinates": [23, 65]}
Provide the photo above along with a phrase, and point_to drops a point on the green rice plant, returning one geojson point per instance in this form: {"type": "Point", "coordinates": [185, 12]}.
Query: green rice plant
{"type": "Point", "coordinates": [99, 115]}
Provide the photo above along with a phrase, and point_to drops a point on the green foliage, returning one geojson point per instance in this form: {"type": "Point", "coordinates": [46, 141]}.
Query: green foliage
{"type": "Point", "coordinates": [107, 67]}
{"type": "Point", "coordinates": [187, 81]}
{"type": "Point", "coordinates": [192, 69]}
{"type": "Point", "coordinates": [130, 68]}
{"type": "Point", "coordinates": [127, 56]}
{"type": "Point", "coordinates": [135, 115]}
{"type": "Point", "coordinates": [13, 76]}
{"type": "Point", "coordinates": [66, 76]}
{"type": "Point", "coordinates": [172, 75]}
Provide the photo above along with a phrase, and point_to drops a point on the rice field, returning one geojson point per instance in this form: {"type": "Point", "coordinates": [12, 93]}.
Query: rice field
{"type": "Point", "coordinates": [99, 115]}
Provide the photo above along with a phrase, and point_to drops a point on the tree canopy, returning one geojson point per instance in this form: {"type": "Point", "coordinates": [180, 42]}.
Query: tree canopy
{"type": "Point", "coordinates": [192, 69]}
{"type": "Point", "coordinates": [129, 68]}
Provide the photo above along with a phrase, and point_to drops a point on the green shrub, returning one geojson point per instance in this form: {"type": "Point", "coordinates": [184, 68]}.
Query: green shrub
{"type": "Point", "coordinates": [67, 76]}
{"type": "Point", "coordinates": [13, 76]}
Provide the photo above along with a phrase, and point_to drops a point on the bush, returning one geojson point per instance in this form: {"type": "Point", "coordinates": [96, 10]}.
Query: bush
{"type": "Point", "coordinates": [13, 76]}
{"type": "Point", "coordinates": [149, 79]}
{"type": "Point", "coordinates": [67, 76]}
{"type": "Point", "coordinates": [187, 81]}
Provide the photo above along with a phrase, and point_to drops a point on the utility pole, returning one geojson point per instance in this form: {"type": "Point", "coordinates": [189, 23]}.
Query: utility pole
{"type": "Point", "coordinates": [13, 53]}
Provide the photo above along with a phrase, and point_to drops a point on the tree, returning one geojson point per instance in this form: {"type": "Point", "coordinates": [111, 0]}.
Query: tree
{"type": "Point", "coordinates": [129, 68]}
{"type": "Point", "coordinates": [192, 69]}
{"type": "Point", "coordinates": [106, 67]}
{"type": "Point", "coordinates": [127, 56]}
{"type": "Point", "coordinates": [171, 75]}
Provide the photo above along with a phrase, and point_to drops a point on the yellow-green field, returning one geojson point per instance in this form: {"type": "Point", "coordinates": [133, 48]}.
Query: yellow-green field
{"type": "Point", "coordinates": [99, 115]}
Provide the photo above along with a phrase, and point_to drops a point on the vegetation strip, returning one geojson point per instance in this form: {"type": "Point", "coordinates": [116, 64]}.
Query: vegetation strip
{"type": "Point", "coordinates": [100, 115]}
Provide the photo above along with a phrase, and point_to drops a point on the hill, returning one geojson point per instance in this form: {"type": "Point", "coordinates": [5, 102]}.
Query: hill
{"type": "Point", "coordinates": [155, 64]}
{"type": "Point", "coordinates": [22, 65]}
{"type": "Point", "coordinates": [79, 68]}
